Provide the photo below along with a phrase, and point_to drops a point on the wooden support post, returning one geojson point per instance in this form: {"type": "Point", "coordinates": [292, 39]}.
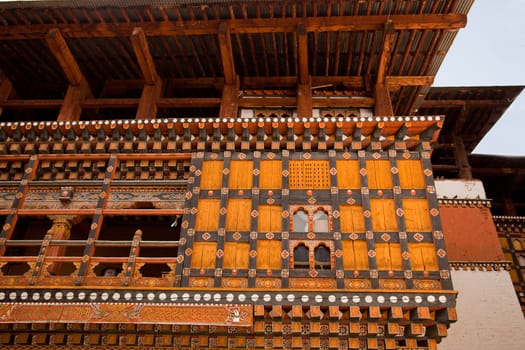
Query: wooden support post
{"type": "Point", "coordinates": [61, 230]}
{"type": "Point", "coordinates": [151, 92]}
{"type": "Point", "coordinates": [383, 106]}
{"type": "Point", "coordinates": [230, 101]}
{"type": "Point", "coordinates": [465, 172]}
{"type": "Point", "coordinates": [304, 81]}
{"type": "Point", "coordinates": [78, 89]}
{"type": "Point", "coordinates": [6, 88]}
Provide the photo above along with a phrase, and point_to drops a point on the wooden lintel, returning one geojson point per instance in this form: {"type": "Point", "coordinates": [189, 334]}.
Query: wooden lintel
{"type": "Point", "coordinates": [304, 100]}
{"type": "Point", "coordinates": [389, 36]}
{"type": "Point", "coordinates": [383, 103]}
{"type": "Point", "coordinates": [450, 21]}
{"type": "Point", "coordinates": [58, 46]}
{"type": "Point", "coordinates": [302, 55]}
{"type": "Point", "coordinates": [225, 47]}
{"type": "Point", "coordinates": [143, 54]}
{"type": "Point", "coordinates": [230, 101]}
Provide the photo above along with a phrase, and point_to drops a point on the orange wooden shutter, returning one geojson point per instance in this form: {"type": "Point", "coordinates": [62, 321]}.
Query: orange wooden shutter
{"type": "Point", "coordinates": [348, 175]}
{"type": "Point", "coordinates": [423, 256]}
{"type": "Point", "coordinates": [411, 173]}
{"type": "Point", "coordinates": [211, 177]}
{"type": "Point", "coordinates": [240, 174]}
{"type": "Point", "coordinates": [355, 255]}
{"type": "Point", "coordinates": [207, 215]}
{"type": "Point", "coordinates": [271, 174]}
{"type": "Point", "coordinates": [383, 215]}
{"type": "Point", "coordinates": [236, 255]}
{"type": "Point", "coordinates": [238, 215]}
{"type": "Point", "coordinates": [417, 216]}
{"type": "Point", "coordinates": [203, 255]}
{"type": "Point", "coordinates": [388, 256]}
{"type": "Point", "coordinates": [352, 219]}
{"type": "Point", "coordinates": [379, 174]}
{"type": "Point", "coordinates": [270, 219]}
{"type": "Point", "coordinates": [268, 254]}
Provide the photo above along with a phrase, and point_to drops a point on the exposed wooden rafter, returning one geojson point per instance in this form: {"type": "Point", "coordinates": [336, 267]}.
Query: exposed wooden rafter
{"type": "Point", "coordinates": [381, 90]}
{"type": "Point", "coordinates": [78, 89]}
{"type": "Point", "coordinates": [304, 82]}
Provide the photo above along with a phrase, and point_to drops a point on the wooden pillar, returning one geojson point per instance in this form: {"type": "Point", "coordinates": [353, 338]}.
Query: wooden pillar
{"type": "Point", "coordinates": [6, 88]}
{"type": "Point", "coordinates": [304, 83]}
{"type": "Point", "coordinates": [383, 103]}
{"type": "Point", "coordinates": [462, 162]}
{"type": "Point", "coordinates": [60, 230]}
{"type": "Point", "coordinates": [230, 100]}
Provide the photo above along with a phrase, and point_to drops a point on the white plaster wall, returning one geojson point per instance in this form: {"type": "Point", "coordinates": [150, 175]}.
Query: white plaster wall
{"type": "Point", "coordinates": [461, 189]}
{"type": "Point", "coordinates": [489, 315]}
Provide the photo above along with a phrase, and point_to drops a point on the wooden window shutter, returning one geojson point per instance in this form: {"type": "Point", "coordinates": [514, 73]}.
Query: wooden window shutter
{"type": "Point", "coordinates": [423, 256]}
{"type": "Point", "coordinates": [241, 174]}
{"type": "Point", "coordinates": [379, 174]}
{"type": "Point", "coordinates": [411, 173]}
{"type": "Point", "coordinates": [238, 216]}
{"type": "Point", "coordinates": [207, 215]}
{"type": "Point", "coordinates": [355, 255]}
{"type": "Point", "coordinates": [388, 256]}
{"type": "Point", "coordinates": [203, 256]}
{"type": "Point", "coordinates": [211, 178]}
{"type": "Point", "coordinates": [417, 216]}
{"type": "Point", "coordinates": [352, 219]}
{"type": "Point", "coordinates": [383, 215]}
{"type": "Point", "coordinates": [236, 255]}
{"type": "Point", "coordinates": [270, 219]}
{"type": "Point", "coordinates": [348, 174]}
{"type": "Point", "coordinates": [271, 174]}
{"type": "Point", "coordinates": [268, 254]}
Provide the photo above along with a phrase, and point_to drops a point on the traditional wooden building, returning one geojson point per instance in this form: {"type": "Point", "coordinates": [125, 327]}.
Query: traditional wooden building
{"type": "Point", "coordinates": [222, 174]}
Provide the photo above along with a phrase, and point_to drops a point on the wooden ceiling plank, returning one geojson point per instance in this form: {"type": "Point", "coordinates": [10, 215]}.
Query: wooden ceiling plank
{"type": "Point", "coordinates": [258, 25]}
{"type": "Point", "coordinates": [143, 55]}
{"type": "Point", "coordinates": [226, 51]}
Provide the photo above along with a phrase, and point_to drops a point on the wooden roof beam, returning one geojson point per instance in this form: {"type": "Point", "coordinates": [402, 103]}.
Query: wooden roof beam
{"type": "Point", "coordinates": [450, 21]}
{"type": "Point", "coordinates": [143, 55]}
{"type": "Point", "coordinates": [304, 81]}
{"type": "Point", "coordinates": [153, 85]}
{"type": "Point", "coordinates": [78, 89]}
{"type": "Point", "coordinates": [459, 103]}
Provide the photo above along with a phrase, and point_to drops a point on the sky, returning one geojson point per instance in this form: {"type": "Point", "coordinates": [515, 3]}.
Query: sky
{"type": "Point", "coordinates": [490, 51]}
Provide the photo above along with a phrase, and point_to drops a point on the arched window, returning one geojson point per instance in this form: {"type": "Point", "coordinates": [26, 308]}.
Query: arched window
{"type": "Point", "coordinates": [300, 254]}
{"type": "Point", "coordinates": [320, 221]}
{"type": "Point", "coordinates": [300, 221]}
{"type": "Point", "coordinates": [322, 257]}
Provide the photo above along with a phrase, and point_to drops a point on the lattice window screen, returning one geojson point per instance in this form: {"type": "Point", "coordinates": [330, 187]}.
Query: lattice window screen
{"type": "Point", "coordinates": [309, 174]}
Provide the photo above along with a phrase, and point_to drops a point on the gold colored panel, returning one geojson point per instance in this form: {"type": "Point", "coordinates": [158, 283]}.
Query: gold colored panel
{"type": "Point", "coordinates": [211, 177]}
{"type": "Point", "coordinates": [271, 174]}
{"type": "Point", "coordinates": [269, 254]}
{"type": "Point", "coordinates": [411, 173]}
{"type": "Point", "coordinates": [388, 256]}
{"type": "Point", "coordinates": [207, 215]}
{"type": "Point", "coordinates": [355, 255]}
{"type": "Point", "coordinates": [270, 219]}
{"type": "Point", "coordinates": [352, 219]}
{"type": "Point", "coordinates": [238, 216]}
{"type": "Point", "coordinates": [203, 256]}
{"type": "Point", "coordinates": [241, 174]}
{"type": "Point", "coordinates": [379, 174]}
{"type": "Point", "coordinates": [236, 255]}
{"type": "Point", "coordinates": [383, 215]}
{"type": "Point", "coordinates": [417, 216]}
{"type": "Point", "coordinates": [423, 256]}
{"type": "Point", "coordinates": [348, 174]}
